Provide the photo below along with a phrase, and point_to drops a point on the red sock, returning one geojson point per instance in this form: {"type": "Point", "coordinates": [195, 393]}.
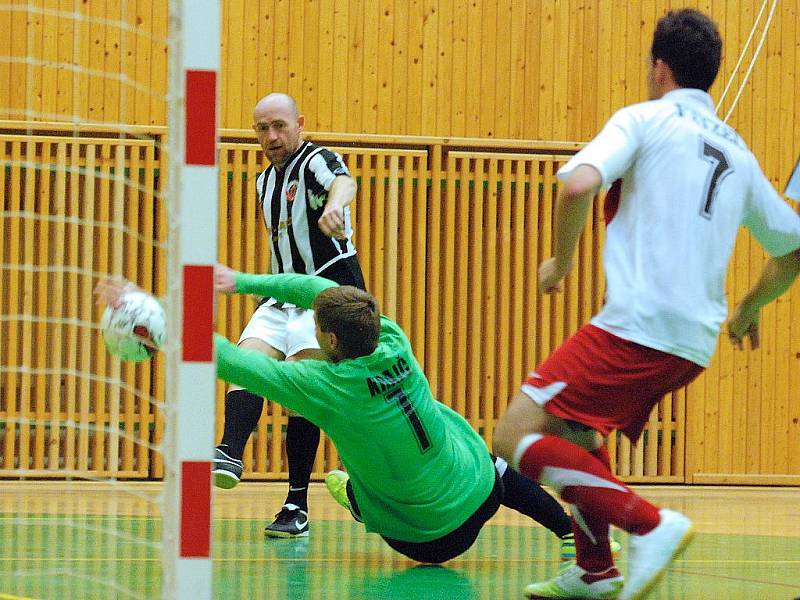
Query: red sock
{"type": "Point", "coordinates": [583, 480]}
{"type": "Point", "coordinates": [593, 552]}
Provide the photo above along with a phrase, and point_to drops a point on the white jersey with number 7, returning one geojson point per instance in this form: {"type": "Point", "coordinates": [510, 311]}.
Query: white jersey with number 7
{"type": "Point", "coordinates": [682, 183]}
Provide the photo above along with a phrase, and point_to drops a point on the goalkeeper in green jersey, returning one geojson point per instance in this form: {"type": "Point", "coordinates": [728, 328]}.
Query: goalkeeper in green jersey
{"type": "Point", "coordinates": [417, 473]}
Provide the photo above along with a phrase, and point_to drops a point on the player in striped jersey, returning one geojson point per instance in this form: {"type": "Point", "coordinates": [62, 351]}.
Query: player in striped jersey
{"type": "Point", "coordinates": [304, 195]}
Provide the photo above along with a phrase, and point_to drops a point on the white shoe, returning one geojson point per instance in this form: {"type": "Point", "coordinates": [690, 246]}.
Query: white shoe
{"type": "Point", "coordinates": [574, 582]}
{"type": "Point", "coordinates": [650, 554]}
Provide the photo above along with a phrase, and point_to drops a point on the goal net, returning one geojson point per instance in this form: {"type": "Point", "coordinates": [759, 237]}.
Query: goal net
{"type": "Point", "coordinates": [103, 497]}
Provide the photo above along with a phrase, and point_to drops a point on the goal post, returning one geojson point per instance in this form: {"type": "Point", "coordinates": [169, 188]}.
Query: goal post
{"type": "Point", "coordinates": [108, 121]}
{"type": "Point", "coordinates": [191, 374]}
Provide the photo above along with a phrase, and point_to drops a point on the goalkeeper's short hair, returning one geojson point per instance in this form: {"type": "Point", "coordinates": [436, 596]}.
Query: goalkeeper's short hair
{"type": "Point", "coordinates": [353, 316]}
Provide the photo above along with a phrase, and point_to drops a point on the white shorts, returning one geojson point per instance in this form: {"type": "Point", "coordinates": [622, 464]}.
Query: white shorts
{"type": "Point", "coordinates": [287, 329]}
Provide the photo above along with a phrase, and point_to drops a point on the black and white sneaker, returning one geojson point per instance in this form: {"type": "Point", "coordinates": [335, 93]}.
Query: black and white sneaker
{"type": "Point", "coordinates": [227, 471]}
{"type": "Point", "coordinates": [290, 522]}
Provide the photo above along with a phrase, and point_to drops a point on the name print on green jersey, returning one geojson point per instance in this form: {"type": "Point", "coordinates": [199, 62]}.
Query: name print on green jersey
{"type": "Point", "coordinates": [383, 382]}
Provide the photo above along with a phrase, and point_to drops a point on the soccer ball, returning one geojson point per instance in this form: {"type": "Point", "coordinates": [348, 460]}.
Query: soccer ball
{"type": "Point", "coordinates": [135, 329]}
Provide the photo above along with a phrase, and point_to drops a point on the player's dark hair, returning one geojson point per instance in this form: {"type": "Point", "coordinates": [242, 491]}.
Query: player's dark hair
{"type": "Point", "coordinates": [353, 315]}
{"type": "Point", "coordinates": [689, 42]}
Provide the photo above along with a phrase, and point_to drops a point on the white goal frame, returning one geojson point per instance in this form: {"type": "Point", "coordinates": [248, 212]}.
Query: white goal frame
{"type": "Point", "coordinates": [192, 193]}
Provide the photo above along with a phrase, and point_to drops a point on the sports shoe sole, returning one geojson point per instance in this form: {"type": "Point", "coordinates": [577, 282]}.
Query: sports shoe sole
{"type": "Point", "coordinates": [609, 596]}
{"type": "Point", "coordinates": [595, 594]}
{"type": "Point", "coordinates": [682, 545]}
{"type": "Point", "coordinates": [283, 535]}
{"type": "Point", "coordinates": [224, 479]}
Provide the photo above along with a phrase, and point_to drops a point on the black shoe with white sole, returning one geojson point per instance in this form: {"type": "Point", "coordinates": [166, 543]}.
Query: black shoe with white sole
{"type": "Point", "coordinates": [290, 522]}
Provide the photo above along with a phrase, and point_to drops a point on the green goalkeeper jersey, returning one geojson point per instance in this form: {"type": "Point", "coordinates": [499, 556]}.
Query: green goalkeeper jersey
{"type": "Point", "coordinates": [418, 469]}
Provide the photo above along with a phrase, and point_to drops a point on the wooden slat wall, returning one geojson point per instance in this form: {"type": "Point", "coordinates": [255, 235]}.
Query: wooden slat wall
{"type": "Point", "coordinates": [516, 69]}
{"type": "Point", "coordinates": [444, 231]}
{"type": "Point", "coordinates": [73, 209]}
{"type": "Point", "coordinates": [476, 256]}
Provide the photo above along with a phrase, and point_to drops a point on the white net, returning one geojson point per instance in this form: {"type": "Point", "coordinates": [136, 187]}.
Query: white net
{"type": "Point", "coordinates": [84, 101]}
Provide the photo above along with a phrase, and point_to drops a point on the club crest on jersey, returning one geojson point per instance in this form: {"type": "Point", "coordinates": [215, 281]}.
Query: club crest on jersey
{"type": "Point", "coordinates": [291, 191]}
{"type": "Point", "coordinates": [316, 200]}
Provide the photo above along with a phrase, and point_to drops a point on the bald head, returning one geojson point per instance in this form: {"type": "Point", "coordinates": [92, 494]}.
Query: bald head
{"type": "Point", "coordinates": [279, 126]}
{"type": "Point", "coordinates": [279, 101]}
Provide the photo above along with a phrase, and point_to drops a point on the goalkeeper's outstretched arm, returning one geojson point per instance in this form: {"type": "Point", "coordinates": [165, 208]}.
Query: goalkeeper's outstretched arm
{"type": "Point", "coordinates": [300, 290]}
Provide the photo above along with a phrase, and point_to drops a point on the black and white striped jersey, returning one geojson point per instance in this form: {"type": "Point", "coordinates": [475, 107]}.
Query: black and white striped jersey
{"type": "Point", "coordinates": [292, 201]}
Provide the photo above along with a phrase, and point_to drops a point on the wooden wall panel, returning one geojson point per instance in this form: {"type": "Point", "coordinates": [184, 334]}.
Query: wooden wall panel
{"type": "Point", "coordinates": [516, 69]}
{"type": "Point", "coordinates": [108, 65]}
{"type": "Point", "coordinates": [519, 69]}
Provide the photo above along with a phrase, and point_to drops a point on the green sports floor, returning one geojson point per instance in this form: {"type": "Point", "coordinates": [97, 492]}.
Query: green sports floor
{"type": "Point", "coordinates": [92, 546]}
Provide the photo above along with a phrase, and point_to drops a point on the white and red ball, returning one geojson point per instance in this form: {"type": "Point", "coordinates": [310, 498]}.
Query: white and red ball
{"type": "Point", "coordinates": [134, 329]}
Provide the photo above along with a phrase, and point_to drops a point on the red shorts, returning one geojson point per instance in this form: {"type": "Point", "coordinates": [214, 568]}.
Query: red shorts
{"type": "Point", "coordinates": [606, 382]}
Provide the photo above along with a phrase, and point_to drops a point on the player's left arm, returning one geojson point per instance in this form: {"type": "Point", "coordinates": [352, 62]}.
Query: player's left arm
{"type": "Point", "coordinates": [776, 227]}
{"type": "Point", "coordinates": [777, 276]}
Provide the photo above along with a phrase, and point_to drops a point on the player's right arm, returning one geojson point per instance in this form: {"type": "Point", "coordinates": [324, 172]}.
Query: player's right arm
{"type": "Point", "coordinates": [600, 163]}
{"type": "Point", "coordinates": [574, 202]}
{"type": "Point", "coordinates": [300, 290]}
{"type": "Point", "coordinates": [341, 194]}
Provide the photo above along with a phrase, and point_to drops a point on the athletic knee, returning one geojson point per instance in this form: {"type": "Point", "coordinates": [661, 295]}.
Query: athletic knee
{"type": "Point", "coordinates": [506, 437]}
{"type": "Point", "coordinates": [522, 418]}
{"type": "Point", "coordinates": [259, 345]}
